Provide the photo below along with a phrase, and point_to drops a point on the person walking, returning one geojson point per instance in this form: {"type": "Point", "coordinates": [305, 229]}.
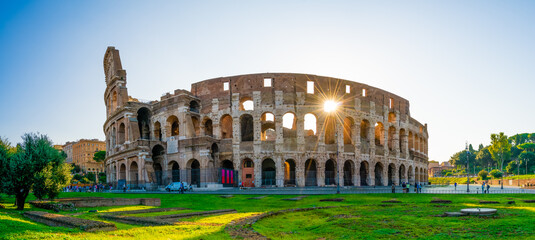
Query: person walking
{"type": "Point", "coordinates": [455, 184]}
{"type": "Point", "coordinates": [393, 188]}
{"type": "Point", "coordinates": [488, 188]}
{"type": "Point", "coordinates": [483, 188]}
{"type": "Point", "coordinates": [416, 188]}
{"type": "Point", "coordinates": [419, 188]}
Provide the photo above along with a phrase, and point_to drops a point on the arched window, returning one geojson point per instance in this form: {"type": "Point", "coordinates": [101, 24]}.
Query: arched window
{"type": "Point", "coordinates": [379, 134]}
{"type": "Point", "coordinates": [172, 126]}
{"type": "Point", "coordinates": [310, 124]}
{"type": "Point", "coordinates": [121, 134]}
{"type": "Point", "coordinates": [194, 106]}
{"type": "Point", "coordinates": [226, 126]}
{"type": "Point", "coordinates": [143, 121]}
{"type": "Point", "coordinates": [246, 125]}
{"type": "Point", "coordinates": [246, 104]}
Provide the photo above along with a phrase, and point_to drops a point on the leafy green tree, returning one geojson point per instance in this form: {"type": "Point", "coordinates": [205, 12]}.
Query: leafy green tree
{"type": "Point", "coordinates": [527, 155]}
{"type": "Point", "coordinates": [495, 173]}
{"type": "Point", "coordinates": [19, 170]}
{"type": "Point", "coordinates": [76, 169]}
{"type": "Point", "coordinates": [90, 176]}
{"type": "Point", "coordinates": [51, 180]}
{"type": "Point", "coordinates": [99, 156]}
{"type": "Point", "coordinates": [483, 174]}
{"type": "Point", "coordinates": [483, 157]}
{"type": "Point", "coordinates": [101, 177]}
{"type": "Point", "coordinates": [511, 167]}
{"type": "Point", "coordinates": [500, 149]}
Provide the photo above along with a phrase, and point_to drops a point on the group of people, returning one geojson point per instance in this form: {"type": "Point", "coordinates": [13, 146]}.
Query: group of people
{"type": "Point", "coordinates": [407, 186]}
{"type": "Point", "coordinates": [92, 188]}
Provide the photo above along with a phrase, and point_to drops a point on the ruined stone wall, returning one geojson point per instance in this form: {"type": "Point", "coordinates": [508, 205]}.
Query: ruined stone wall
{"type": "Point", "coordinates": [237, 123]}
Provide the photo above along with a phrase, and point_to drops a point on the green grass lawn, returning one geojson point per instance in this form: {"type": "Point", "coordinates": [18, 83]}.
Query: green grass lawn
{"type": "Point", "coordinates": [363, 216]}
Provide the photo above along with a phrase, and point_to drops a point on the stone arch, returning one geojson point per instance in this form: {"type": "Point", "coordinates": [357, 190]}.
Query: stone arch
{"type": "Point", "coordinates": [246, 104]}
{"type": "Point", "coordinates": [268, 172]}
{"type": "Point", "coordinates": [378, 170]}
{"type": "Point", "coordinates": [391, 139]}
{"type": "Point", "coordinates": [227, 164]}
{"type": "Point", "coordinates": [172, 126]}
{"type": "Point", "coordinates": [247, 172]}
{"type": "Point", "coordinates": [121, 134]}
{"type": "Point", "coordinates": [364, 173]}
{"type": "Point", "coordinates": [311, 124]}
{"type": "Point", "coordinates": [247, 128]}
{"type": "Point", "coordinates": [268, 127]}
{"type": "Point", "coordinates": [391, 174]}
{"type": "Point", "coordinates": [196, 126]}
{"type": "Point", "coordinates": [122, 172]}
{"type": "Point", "coordinates": [158, 131]}
{"type": "Point", "coordinates": [194, 106]}
{"type": "Point", "coordinates": [330, 172]}
{"type": "Point", "coordinates": [401, 137]}
{"type": "Point", "coordinates": [214, 151]}
{"type": "Point", "coordinates": [348, 173]}
{"type": "Point", "coordinates": [379, 134]}
{"type": "Point", "coordinates": [289, 172]}
{"type": "Point", "coordinates": [348, 130]}
{"type": "Point", "coordinates": [158, 153]}
{"type": "Point", "coordinates": [226, 126]}
{"type": "Point", "coordinates": [133, 175]}
{"type": "Point", "coordinates": [175, 171]}
{"type": "Point", "coordinates": [208, 127]}
{"type": "Point", "coordinates": [410, 175]}
{"type": "Point", "coordinates": [143, 121]}
{"type": "Point", "coordinates": [330, 129]}
{"type": "Point", "coordinates": [416, 175]}
{"type": "Point", "coordinates": [289, 125]}
{"type": "Point", "coordinates": [401, 174]}
{"type": "Point", "coordinates": [391, 117]}
{"type": "Point", "coordinates": [194, 172]}
{"type": "Point", "coordinates": [311, 173]}
{"type": "Point", "coordinates": [411, 141]}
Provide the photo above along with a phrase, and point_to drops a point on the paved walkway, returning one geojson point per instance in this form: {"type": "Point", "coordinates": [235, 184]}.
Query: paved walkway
{"type": "Point", "coordinates": [461, 189]}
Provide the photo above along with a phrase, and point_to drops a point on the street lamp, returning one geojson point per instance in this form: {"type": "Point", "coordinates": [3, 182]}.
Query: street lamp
{"type": "Point", "coordinates": [467, 169]}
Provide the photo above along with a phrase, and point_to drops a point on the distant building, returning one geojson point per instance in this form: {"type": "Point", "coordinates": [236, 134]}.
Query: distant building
{"type": "Point", "coordinates": [435, 168]}
{"type": "Point", "coordinates": [81, 153]}
{"type": "Point", "coordinates": [58, 147]}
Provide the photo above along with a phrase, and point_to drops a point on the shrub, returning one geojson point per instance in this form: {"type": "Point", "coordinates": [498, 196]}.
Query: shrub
{"type": "Point", "coordinates": [483, 174]}
{"type": "Point", "coordinates": [496, 173]}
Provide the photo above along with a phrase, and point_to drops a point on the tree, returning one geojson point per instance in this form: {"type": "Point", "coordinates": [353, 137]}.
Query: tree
{"type": "Point", "coordinates": [483, 157]}
{"type": "Point", "coordinates": [90, 176]}
{"type": "Point", "coordinates": [527, 154]}
{"type": "Point", "coordinates": [99, 156]}
{"type": "Point", "coordinates": [511, 167]}
{"type": "Point", "coordinates": [495, 173]}
{"type": "Point", "coordinates": [20, 169]}
{"type": "Point", "coordinates": [500, 149]}
{"type": "Point", "coordinates": [76, 169]}
{"type": "Point", "coordinates": [51, 180]}
{"type": "Point", "coordinates": [101, 177]}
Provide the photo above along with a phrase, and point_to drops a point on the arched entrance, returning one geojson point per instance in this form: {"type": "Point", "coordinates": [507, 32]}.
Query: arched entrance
{"type": "Point", "coordinates": [364, 172]}
{"type": "Point", "coordinates": [348, 173]}
{"type": "Point", "coordinates": [289, 172]}
{"type": "Point", "coordinates": [330, 173]}
{"type": "Point", "coordinates": [391, 174]}
{"type": "Point", "coordinates": [122, 175]}
{"type": "Point", "coordinates": [402, 174]}
{"type": "Point", "coordinates": [134, 178]}
{"type": "Point", "coordinates": [310, 173]}
{"type": "Point", "coordinates": [268, 172]}
{"type": "Point", "coordinates": [175, 172]}
{"type": "Point", "coordinates": [248, 173]}
{"type": "Point", "coordinates": [195, 173]}
{"type": "Point", "coordinates": [157, 158]}
{"type": "Point", "coordinates": [378, 174]}
{"type": "Point", "coordinates": [227, 174]}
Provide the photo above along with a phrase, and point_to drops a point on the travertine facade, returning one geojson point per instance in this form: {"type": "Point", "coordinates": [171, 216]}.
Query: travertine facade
{"type": "Point", "coordinates": [262, 129]}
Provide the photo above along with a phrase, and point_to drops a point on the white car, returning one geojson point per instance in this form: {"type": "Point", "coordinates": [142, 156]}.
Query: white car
{"type": "Point", "coordinates": [175, 186]}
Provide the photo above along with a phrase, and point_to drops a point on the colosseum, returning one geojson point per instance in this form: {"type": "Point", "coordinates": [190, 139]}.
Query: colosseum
{"type": "Point", "coordinates": [261, 130]}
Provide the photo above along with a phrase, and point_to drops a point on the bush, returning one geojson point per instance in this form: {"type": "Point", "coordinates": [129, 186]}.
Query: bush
{"type": "Point", "coordinates": [447, 174]}
{"type": "Point", "coordinates": [483, 174]}
{"type": "Point", "coordinates": [496, 173]}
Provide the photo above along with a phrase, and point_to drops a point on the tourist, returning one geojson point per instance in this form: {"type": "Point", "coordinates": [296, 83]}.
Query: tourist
{"type": "Point", "coordinates": [404, 186]}
{"type": "Point", "coordinates": [455, 184]}
{"type": "Point", "coordinates": [124, 187]}
{"type": "Point", "coordinates": [416, 187]}
{"type": "Point", "coordinates": [393, 188]}
{"type": "Point", "coordinates": [419, 188]}
{"type": "Point", "coordinates": [483, 188]}
{"type": "Point", "coordinates": [488, 187]}
{"type": "Point", "coordinates": [181, 188]}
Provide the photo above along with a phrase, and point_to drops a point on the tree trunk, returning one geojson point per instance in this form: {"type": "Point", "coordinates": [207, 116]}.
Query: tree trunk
{"type": "Point", "coordinates": [21, 199]}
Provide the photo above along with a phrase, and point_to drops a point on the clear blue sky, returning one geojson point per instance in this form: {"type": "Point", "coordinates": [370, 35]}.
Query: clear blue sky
{"type": "Point", "coordinates": [467, 67]}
